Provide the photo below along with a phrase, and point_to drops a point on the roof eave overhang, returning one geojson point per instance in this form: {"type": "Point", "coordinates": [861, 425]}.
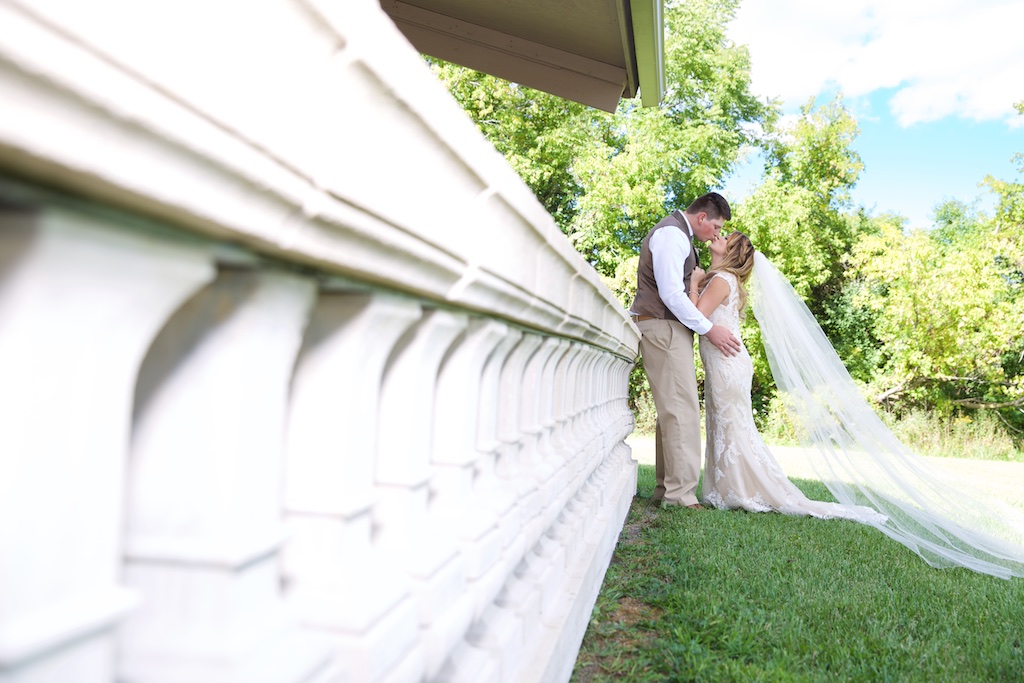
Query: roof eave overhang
{"type": "Point", "coordinates": [548, 68]}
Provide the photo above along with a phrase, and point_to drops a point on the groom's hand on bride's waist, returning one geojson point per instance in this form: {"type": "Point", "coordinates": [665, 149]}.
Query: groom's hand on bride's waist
{"type": "Point", "coordinates": [723, 339]}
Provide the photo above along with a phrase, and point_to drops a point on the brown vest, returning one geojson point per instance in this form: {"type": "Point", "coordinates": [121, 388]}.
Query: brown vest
{"type": "Point", "coordinates": [647, 301]}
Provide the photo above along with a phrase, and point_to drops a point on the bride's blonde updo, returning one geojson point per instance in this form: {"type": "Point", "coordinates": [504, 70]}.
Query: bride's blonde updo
{"type": "Point", "coordinates": [738, 260]}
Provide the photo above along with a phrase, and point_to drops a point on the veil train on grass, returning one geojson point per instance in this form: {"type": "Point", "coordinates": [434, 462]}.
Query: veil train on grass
{"type": "Point", "coordinates": [860, 460]}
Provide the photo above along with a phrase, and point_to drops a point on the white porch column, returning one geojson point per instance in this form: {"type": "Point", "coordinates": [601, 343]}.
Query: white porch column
{"type": "Point", "coordinates": [565, 439]}
{"type": "Point", "coordinates": [453, 505]}
{"type": "Point", "coordinates": [555, 485]}
{"type": "Point", "coordinates": [81, 297]}
{"type": "Point", "coordinates": [204, 529]}
{"type": "Point", "coordinates": [565, 407]}
{"type": "Point", "coordinates": [406, 532]}
{"type": "Point", "coordinates": [510, 464]}
{"type": "Point", "coordinates": [494, 499]}
{"type": "Point", "coordinates": [501, 629]}
{"type": "Point", "coordinates": [561, 438]}
{"type": "Point", "coordinates": [359, 602]}
{"type": "Point", "coordinates": [581, 408]}
{"type": "Point", "coordinates": [459, 417]}
{"type": "Point", "coordinates": [487, 531]}
{"type": "Point", "coordinates": [538, 468]}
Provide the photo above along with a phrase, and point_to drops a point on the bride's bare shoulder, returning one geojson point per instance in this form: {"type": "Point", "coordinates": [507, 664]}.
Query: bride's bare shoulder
{"type": "Point", "coordinates": [728, 278]}
{"type": "Point", "coordinates": [715, 293]}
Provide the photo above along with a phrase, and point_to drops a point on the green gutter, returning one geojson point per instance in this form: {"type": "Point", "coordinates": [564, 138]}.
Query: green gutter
{"type": "Point", "coordinates": [649, 46]}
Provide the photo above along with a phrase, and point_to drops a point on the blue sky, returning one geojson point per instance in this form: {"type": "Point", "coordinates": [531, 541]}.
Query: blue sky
{"type": "Point", "coordinates": [932, 85]}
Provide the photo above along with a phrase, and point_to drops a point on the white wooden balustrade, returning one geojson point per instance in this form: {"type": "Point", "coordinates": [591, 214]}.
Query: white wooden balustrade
{"type": "Point", "coordinates": [298, 382]}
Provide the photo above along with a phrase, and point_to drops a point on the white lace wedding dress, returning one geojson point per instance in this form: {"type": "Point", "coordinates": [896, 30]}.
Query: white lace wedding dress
{"type": "Point", "coordinates": [739, 470]}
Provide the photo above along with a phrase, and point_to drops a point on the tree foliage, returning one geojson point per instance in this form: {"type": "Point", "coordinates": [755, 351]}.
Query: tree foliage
{"type": "Point", "coordinates": [932, 319]}
{"type": "Point", "coordinates": [539, 134]}
{"type": "Point", "coordinates": [667, 156]}
{"type": "Point", "coordinates": [947, 306]}
{"type": "Point", "coordinates": [608, 178]}
{"type": "Point", "coordinates": [801, 217]}
{"type": "Point", "coordinates": [798, 217]}
{"type": "Point", "coordinates": [948, 309]}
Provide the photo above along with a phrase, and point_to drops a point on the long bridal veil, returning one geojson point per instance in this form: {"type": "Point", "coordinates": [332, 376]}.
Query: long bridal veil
{"type": "Point", "coordinates": [861, 460]}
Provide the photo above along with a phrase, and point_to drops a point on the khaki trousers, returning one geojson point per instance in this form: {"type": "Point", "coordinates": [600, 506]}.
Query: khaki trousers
{"type": "Point", "coordinates": [666, 347]}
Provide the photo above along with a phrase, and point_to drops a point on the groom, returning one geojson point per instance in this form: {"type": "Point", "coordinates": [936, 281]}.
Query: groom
{"type": "Point", "coordinates": [667, 320]}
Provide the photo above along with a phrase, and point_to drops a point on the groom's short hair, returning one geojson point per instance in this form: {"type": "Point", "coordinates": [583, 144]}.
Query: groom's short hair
{"type": "Point", "coordinates": [713, 204]}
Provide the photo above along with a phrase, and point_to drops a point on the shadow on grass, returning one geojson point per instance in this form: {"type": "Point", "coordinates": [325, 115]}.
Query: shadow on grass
{"type": "Point", "coordinates": [720, 595]}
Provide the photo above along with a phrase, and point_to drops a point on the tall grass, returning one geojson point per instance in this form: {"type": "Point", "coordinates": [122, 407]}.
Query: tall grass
{"type": "Point", "coordinates": [979, 435]}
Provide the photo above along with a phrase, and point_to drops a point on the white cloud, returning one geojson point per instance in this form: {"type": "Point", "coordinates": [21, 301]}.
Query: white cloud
{"type": "Point", "coordinates": [940, 57]}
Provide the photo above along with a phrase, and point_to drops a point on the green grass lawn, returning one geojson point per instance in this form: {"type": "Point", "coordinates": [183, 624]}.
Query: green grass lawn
{"type": "Point", "coordinates": [733, 596]}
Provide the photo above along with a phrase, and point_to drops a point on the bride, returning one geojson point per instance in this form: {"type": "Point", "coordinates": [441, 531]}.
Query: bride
{"type": "Point", "coordinates": [875, 478]}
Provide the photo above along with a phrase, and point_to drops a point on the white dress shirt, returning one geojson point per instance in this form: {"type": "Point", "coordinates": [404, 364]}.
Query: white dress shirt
{"type": "Point", "coordinates": [669, 249]}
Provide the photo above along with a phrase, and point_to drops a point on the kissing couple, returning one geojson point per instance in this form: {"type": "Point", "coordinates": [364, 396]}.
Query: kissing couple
{"type": "Point", "coordinates": [875, 478]}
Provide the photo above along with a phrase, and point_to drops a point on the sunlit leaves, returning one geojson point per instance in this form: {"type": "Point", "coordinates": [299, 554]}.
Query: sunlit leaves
{"type": "Point", "coordinates": [934, 318]}
{"type": "Point", "coordinates": [539, 134]}
{"type": "Point", "coordinates": [607, 178]}
{"type": "Point", "coordinates": [947, 306]}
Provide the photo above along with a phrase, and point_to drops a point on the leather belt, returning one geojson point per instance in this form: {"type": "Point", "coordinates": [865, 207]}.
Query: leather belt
{"type": "Point", "coordinates": [638, 318]}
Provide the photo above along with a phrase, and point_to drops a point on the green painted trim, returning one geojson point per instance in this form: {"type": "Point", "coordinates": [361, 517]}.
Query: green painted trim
{"type": "Point", "coordinates": [625, 24]}
{"type": "Point", "coordinates": [649, 47]}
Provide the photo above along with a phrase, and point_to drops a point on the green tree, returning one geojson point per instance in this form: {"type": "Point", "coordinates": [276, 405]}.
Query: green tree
{"type": "Point", "coordinates": [665, 157]}
{"type": "Point", "coordinates": [608, 178]}
{"type": "Point", "coordinates": [539, 134]}
{"type": "Point", "coordinates": [948, 308]}
{"type": "Point", "coordinates": [802, 217]}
